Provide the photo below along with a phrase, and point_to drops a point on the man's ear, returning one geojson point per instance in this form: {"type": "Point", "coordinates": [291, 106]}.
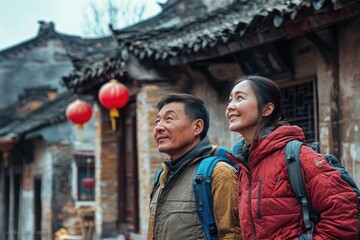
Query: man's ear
{"type": "Point", "coordinates": [198, 126]}
{"type": "Point", "coordinates": [268, 109]}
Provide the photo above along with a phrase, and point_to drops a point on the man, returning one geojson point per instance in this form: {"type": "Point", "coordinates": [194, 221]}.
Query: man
{"type": "Point", "coordinates": [180, 132]}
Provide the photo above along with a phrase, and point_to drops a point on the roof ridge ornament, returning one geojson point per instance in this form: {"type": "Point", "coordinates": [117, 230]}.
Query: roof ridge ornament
{"type": "Point", "coordinates": [46, 27]}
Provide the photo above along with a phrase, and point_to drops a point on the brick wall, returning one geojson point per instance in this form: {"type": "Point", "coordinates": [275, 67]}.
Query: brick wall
{"type": "Point", "coordinates": [148, 156]}
{"type": "Point", "coordinates": [106, 176]}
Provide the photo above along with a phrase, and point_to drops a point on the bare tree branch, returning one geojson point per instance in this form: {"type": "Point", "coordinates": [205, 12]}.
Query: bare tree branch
{"type": "Point", "coordinates": [117, 13]}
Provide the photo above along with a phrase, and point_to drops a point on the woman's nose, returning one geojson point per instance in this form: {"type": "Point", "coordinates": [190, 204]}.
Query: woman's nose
{"type": "Point", "coordinates": [231, 106]}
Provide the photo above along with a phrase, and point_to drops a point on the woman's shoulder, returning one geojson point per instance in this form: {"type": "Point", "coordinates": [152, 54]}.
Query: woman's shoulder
{"type": "Point", "coordinates": [314, 163]}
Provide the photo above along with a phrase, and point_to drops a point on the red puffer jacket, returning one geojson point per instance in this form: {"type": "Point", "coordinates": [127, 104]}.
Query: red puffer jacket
{"type": "Point", "coordinates": [269, 210]}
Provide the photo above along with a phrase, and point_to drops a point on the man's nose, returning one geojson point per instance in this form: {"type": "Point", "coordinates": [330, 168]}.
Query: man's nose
{"type": "Point", "coordinates": [159, 126]}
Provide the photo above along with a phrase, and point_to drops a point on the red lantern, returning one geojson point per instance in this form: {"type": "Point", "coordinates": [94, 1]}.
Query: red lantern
{"type": "Point", "coordinates": [79, 112]}
{"type": "Point", "coordinates": [113, 95]}
{"type": "Point", "coordinates": [88, 183]}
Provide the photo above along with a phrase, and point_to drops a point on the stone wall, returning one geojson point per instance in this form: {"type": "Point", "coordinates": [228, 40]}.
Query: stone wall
{"type": "Point", "coordinates": [43, 167]}
{"type": "Point", "coordinates": [62, 157]}
{"type": "Point", "coordinates": [219, 128]}
{"type": "Point", "coordinates": [338, 79]}
{"type": "Point", "coordinates": [349, 84]}
{"type": "Point", "coordinates": [327, 77]}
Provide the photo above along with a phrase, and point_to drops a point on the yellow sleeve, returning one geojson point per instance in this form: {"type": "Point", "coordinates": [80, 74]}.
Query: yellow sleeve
{"type": "Point", "coordinates": [225, 201]}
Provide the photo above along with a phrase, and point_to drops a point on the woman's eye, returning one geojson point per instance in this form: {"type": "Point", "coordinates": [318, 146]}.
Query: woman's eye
{"type": "Point", "coordinates": [239, 98]}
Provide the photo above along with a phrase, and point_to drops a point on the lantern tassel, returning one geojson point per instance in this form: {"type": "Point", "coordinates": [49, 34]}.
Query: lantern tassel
{"type": "Point", "coordinates": [79, 128]}
{"type": "Point", "coordinates": [114, 113]}
{"type": "Point", "coordinates": [6, 158]}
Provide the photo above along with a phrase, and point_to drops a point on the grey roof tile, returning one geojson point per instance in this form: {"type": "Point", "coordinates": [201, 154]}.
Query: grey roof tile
{"type": "Point", "coordinates": [229, 26]}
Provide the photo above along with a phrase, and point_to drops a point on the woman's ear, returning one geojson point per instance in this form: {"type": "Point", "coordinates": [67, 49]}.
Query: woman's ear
{"type": "Point", "coordinates": [268, 109]}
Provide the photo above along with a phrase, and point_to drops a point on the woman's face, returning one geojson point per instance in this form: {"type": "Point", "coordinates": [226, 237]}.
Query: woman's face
{"type": "Point", "coordinates": [242, 110]}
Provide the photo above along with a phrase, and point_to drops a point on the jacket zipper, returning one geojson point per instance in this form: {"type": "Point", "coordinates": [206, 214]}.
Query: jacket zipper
{"type": "Point", "coordinates": [249, 199]}
{"type": "Point", "coordinates": [259, 199]}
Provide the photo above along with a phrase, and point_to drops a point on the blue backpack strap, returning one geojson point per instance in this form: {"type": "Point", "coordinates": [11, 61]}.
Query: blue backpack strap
{"type": "Point", "coordinates": [238, 146]}
{"type": "Point", "coordinates": [221, 152]}
{"type": "Point", "coordinates": [292, 156]}
{"type": "Point", "coordinates": [203, 194]}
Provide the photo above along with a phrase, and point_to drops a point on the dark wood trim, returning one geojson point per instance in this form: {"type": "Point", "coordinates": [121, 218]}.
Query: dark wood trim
{"type": "Point", "coordinates": [288, 82]}
{"type": "Point", "coordinates": [290, 29]}
{"type": "Point", "coordinates": [135, 175]}
{"type": "Point", "coordinates": [221, 87]}
{"type": "Point", "coordinates": [325, 51]}
{"type": "Point", "coordinates": [121, 169]}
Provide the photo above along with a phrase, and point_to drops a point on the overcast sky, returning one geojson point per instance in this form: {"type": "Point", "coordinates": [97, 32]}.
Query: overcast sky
{"type": "Point", "coordinates": [19, 18]}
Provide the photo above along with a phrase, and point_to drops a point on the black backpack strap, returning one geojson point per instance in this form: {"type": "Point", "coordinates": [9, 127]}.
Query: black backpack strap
{"type": "Point", "coordinates": [292, 156]}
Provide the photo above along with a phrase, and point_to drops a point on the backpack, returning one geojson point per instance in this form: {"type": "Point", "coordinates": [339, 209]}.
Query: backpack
{"type": "Point", "coordinates": [292, 153]}
{"type": "Point", "coordinates": [202, 190]}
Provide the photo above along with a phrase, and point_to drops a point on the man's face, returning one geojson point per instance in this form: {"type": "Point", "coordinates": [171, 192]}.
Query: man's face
{"type": "Point", "coordinates": [174, 132]}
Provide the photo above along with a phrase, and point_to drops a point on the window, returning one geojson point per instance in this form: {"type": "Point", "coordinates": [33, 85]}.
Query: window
{"type": "Point", "coordinates": [299, 105]}
{"type": "Point", "coordinates": [85, 170]}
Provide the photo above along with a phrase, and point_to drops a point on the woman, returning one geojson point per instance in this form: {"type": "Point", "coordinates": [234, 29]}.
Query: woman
{"type": "Point", "coordinates": [267, 207]}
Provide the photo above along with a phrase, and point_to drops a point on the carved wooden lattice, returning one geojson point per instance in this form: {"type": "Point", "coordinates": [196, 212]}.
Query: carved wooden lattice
{"type": "Point", "coordinates": [299, 108]}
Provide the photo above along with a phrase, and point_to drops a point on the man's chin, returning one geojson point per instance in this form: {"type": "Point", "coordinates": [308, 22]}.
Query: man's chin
{"type": "Point", "coordinates": [162, 149]}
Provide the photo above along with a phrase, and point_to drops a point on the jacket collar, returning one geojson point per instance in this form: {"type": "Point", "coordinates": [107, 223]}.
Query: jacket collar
{"type": "Point", "coordinates": [203, 148]}
{"type": "Point", "coordinates": [269, 140]}
{"type": "Point", "coordinates": [275, 140]}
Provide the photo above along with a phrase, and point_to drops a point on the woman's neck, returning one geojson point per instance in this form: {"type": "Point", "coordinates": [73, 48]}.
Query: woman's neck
{"type": "Point", "coordinates": [248, 137]}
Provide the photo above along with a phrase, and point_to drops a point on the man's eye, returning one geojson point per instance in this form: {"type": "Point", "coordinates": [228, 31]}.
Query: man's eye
{"type": "Point", "coordinates": [169, 118]}
{"type": "Point", "coordinates": [157, 121]}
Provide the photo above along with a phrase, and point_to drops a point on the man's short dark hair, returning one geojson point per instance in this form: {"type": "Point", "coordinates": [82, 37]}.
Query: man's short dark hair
{"type": "Point", "coordinates": [194, 108]}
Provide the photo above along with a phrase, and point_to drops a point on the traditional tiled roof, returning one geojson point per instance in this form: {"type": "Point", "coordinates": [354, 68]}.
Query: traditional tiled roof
{"type": "Point", "coordinates": [28, 101]}
{"type": "Point", "coordinates": [94, 67]}
{"type": "Point", "coordinates": [50, 113]}
{"type": "Point", "coordinates": [108, 64]}
{"type": "Point", "coordinates": [238, 26]}
{"type": "Point", "coordinates": [80, 47]}
{"type": "Point", "coordinates": [7, 115]}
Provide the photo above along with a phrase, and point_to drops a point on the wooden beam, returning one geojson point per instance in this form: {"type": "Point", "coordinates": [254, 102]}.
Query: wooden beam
{"type": "Point", "coordinates": [324, 49]}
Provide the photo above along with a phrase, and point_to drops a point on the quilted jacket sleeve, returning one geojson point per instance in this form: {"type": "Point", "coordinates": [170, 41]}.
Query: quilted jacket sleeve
{"type": "Point", "coordinates": [331, 197]}
{"type": "Point", "coordinates": [224, 189]}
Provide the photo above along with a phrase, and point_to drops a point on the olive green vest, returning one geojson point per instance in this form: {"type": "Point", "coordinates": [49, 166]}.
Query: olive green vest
{"type": "Point", "coordinates": [173, 208]}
